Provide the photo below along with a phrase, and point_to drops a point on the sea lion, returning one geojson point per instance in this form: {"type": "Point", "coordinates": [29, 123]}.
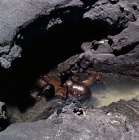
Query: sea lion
{"type": "Point", "coordinates": [40, 82]}
{"type": "Point", "coordinates": [65, 75]}
{"type": "Point", "coordinates": [45, 89]}
{"type": "Point", "coordinates": [48, 91]}
{"type": "Point", "coordinates": [77, 89]}
{"type": "Point", "coordinates": [93, 78]}
{"type": "Point", "coordinates": [87, 80]}
{"type": "Point", "coordinates": [59, 90]}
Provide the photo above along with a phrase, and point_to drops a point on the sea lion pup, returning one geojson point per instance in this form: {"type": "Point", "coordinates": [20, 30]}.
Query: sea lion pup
{"type": "Point", "coordinates": [87, 80]}
{"type": "Point", "coordinates": [40, 82]}
{"type": "Point", "coordinates": [48, 91]}
{"type": "Point", "coordinates": [65, 75]}
{"type": "Point", "coordinates": [59, 90]}
{"type": "Point", "coordinates": [77, 89]}
{"type": "Point", "coordinates": [45, 89]}
{"type": "Point", "coordinates": [93, 78]}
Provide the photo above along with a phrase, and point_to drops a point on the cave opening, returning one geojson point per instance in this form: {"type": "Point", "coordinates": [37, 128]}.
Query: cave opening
{"type": "Point", "coordinates": [44, 45]}
{"type": "Point", "coordinates": [39, 55]}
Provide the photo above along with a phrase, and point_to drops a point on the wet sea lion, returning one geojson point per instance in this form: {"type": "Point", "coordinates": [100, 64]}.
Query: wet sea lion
{"type": "Point", "coordinates": [48, 91]}
{"type": "Point", "coordinates": [40, 82]}
{"type": "Point", "coordinates": [59, 90]}
{"type": "Point", "coordinates": [93, 78]}
{"type": "Point", "coordinates": [87, 80]}
{"type": "Point", "coordinates": [77, 89]}
{"type": "Point", "coordinates": [45, 89]}
{"type": "Point", "coordinates": [65, 75]}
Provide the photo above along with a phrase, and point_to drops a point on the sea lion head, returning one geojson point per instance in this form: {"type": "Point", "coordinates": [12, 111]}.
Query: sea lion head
{"type": "Point", "coordinates": [48, 90]}
{"type": "Point", "coordinates": [99, 79]}
{"type": "Point", "coordinates": [65, 75]}
{"type": "Point", "coordinates": [47, 76]}
{"type": "Point", "coordinates": [40, 82]}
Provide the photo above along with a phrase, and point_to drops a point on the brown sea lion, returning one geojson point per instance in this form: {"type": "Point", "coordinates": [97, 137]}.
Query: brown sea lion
{"type": "Point", "coordinates": [40, 82]}
{"type": "Point", "coordinates": [45, 89]}
{"type": "Point", "coordinates": [48, 91]}
{"type": "Point", "coordinates": [87, 80]}
{"type": "Point", "coordinates": [93, 78]}
{"type": "Point", "coordinates": [77, 89]}
{"type": "Point", "coordinates": [65, 75]}
{"type": "Point", "coordinates": [59, 90]}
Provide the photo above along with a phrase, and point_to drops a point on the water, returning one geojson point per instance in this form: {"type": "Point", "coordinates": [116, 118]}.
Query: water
{"type": "Point", "coordinates": [115, 88]}
{"type": "Point", "coordinates": [32, 113]}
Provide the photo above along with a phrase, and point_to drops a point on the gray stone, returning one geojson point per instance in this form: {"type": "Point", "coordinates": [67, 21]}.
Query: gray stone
{"type": "Point", "coordinates": [17, 16]}
{"type": "Point", "coordinates": [102, 124]}
{"type": "Point", "coordinates": [86, 46]}
{"type": "Point", "coordinates": [125, 39]}
{"type": "Point", "coordinates": [112, 15]}
{"type": "Point", "coordinates": [4, 49]}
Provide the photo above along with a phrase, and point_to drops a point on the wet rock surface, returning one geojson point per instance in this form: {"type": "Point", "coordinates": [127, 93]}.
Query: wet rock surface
{"type": "Point", "coordinates": [77, 122]}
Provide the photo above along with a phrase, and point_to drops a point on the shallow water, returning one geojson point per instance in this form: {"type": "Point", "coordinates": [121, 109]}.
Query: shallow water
{"type": "Point", "coordinates": [115, 88]}
{"type": "Point", "coordinates": [32, 113]}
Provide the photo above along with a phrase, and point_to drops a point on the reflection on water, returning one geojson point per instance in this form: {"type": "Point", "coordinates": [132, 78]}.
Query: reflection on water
{"type": "Point", "coordinates": [116, 88]}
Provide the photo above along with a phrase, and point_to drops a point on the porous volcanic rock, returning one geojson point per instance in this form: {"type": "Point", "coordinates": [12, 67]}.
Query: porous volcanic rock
{"type": "Point", "coordinates": [76, 122]}
{"type": "Point", "coordinates": [18, 17]}
{"type": "Point", "coordinates": [120, 56]}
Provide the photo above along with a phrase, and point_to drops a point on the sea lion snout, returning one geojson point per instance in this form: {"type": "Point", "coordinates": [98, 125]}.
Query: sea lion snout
{"type": "Point", "coordinates": [99, 79]}
{"type": "Point", "coordinates": [48, 91]}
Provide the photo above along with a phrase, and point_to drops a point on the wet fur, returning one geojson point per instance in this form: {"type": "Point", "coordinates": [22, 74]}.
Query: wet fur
{"type": "Point", "coordinates": [45, 89]}
{"type": "Point", "coordinates": [92, 78]}
{"type": "Point", "coordinates": [77, 89]}
{"type": "Point", "coordinates": [59, 90]}
{"type": "Point", "coordinates": [87, 80]}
